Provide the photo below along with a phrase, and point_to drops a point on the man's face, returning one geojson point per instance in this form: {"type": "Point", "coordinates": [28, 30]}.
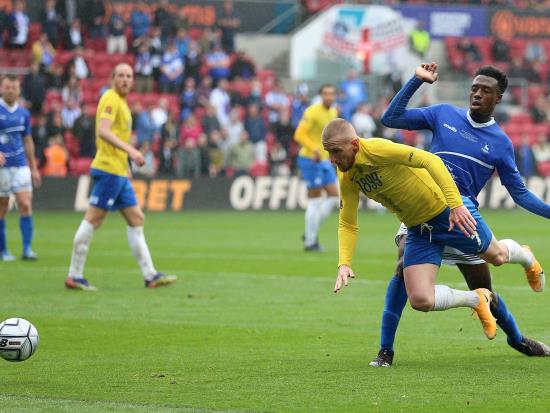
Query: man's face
{"type": "Point", "coordinates": [328, 96]}
{"type": "Point", "coordinates": [342, 152]}
{"type": "Point", "coordinates": [484, 95]}
{"type": "Point", "coordinates": [123, 80]}
{"type": "Point", "coordinates": [11, 91]}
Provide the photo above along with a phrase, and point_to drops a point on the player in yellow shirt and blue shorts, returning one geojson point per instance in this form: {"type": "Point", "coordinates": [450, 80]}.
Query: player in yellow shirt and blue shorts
{"type": "Point", "coordinates": [314, 165]}
{"type": "Point", "coordinates": [417, 187]}
{"type": "Point", "coordinates": [112, 189]}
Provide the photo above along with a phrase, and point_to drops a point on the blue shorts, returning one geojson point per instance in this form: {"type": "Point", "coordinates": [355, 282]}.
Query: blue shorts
{"type": "Point", "coordinates": [111, 191]}
{"type": "Point", "coordinates": [316, 174]}
{"type": "Point", "coordinates": [425, 242]}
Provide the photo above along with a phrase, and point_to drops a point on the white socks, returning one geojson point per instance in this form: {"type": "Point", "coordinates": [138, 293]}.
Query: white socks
{"type": "Point", "coordinates": [139, 248]}
{"type": "Point", "coordinates": [81, 242]}
{"type": "Point", "coordinates": [516, 254]}
{"type": "Point", "coordinates": [312, 220]}
{"type": "Point", "coordinates": [318, 209]}
{"type": "Point", "coordinates": [446, 297]}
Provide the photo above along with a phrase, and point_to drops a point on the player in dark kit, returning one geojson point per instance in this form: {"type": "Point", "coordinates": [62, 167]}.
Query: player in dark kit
{"type": "Point", "coordinates": [473, 147]}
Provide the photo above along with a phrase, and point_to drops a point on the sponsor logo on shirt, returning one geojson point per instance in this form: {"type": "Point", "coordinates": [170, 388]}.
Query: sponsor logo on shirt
{"type": "Point", "coordinates": [485, 148]}
{"type": "Point", "coordinates": [468, 136]}
{"type": "Point", "coordinates": [450, 127]}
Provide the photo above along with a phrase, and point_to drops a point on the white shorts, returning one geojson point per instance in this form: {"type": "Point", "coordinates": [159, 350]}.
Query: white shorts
{"type": "Point", "coordinates": [451, 255]}
{"type": "Point", "coordinates": [15, 179]}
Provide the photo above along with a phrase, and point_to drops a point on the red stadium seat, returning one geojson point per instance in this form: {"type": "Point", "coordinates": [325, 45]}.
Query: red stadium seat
{"type": "Point", "coordinates": [79, 166]}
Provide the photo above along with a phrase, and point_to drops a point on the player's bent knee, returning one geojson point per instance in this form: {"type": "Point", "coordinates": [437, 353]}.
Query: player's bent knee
{"type": "Point", "coordinates": [421, 302]}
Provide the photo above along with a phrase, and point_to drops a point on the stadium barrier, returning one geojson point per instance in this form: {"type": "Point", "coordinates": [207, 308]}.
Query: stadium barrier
{"type": "Point", "coordinates": [240, 194]}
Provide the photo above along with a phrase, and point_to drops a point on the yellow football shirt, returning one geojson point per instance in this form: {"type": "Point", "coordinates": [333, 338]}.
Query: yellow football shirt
{"type": "Point", "coordinates": [412, 183]}
{"type": "Point", "coordinates": [108, 158]}
{"type": "Point", "coordinates": [309, 130]}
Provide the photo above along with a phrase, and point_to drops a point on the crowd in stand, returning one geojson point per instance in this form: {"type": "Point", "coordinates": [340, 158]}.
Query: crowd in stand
{"type": "Point", "coordinates": [210, 110]}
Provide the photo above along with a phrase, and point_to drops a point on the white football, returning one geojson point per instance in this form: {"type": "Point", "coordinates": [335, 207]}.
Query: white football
{"type": "Point", "coordinates": [18, 339]}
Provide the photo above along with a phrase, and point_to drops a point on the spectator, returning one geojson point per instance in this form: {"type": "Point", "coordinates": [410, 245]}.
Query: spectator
{"type": "Point", "coordinates": [233, 128]}
{"type": "Point", "coordinates": [169, 130]}
{"type": "Point", "coordinates": [218, 63]}
{"type": "Point", "coordinates": [541, 149]}
{"type": "Point", "coordinates": [204, 155]}
{"type": "Point", "coordinates": [34, 89]}
{"type": "Point", "coordinates": [68, 10]}
{"type": "Point", "coordinates": [70, 112]}
{"type": "Point", "coordinates": [19, 24]}
{"type": "Point", "coordinates": [210, 121]}
{"type": "Point", "coordinates": [540, 109]}
{"type": "Point", "coordinates": [215, 153]}
{"type": "Point", "coordinates": [241, 155]}
{"type": "Point", "coordinates": [193, 61]}
{"type": "Point", "coordinates": [189, 153]}
{"type": "Point", "coordinates": [165, 19]}
{"type": "Point", "coordinates": [204, 91]}
{"type": "Point", "coordinates": [278, 160]}
{"type": "Point", "coordinates": [420, 40]}
{"type": "Point", "coordinates": [55, 124]}
{"type": "Point", "coordinates": [40, 138]}
{"type": "Point", "coordinates": [116, 40]}
{"type": "Point", "coordinates": [43, 53]}
{"type": "Point", "coordinates": [160, 113]}
{"type": "Point", "coordinates": [284, 132]}
{"type": "Point", "coordinates": [171, 69]}
{"type": "Point", "coordinates": [96, 18]}
{"type": "Point", "coordinates": [257, 132]}
{"type": "Point", "coordinates": [78, 65]}
{"type": "Point", "coordinates": [84, 131]}
{"type": "Point", "coordinates": [148, 169]}
{"type": "Point", "coordinates": [229, 22]}
{"type": "Point", "coordinates": [157, 50]}
{"type": "Point", "coordinates": [50, 20]}
{"type": "Point", "coordinates": [354, 93]}
{"type": "Point", "coordinates": [182, 41]}
{"type": "Point", "coordinates": [363, 121]}
{"type": "Point", "coordinates": [299, 104]}
{"type": "Point", "coordinates": [242, 67]}
{"type": "Point", "coordinates": [144, 67]}
{"type": "Point", "coordinates": [72, 91]}
{"type": "Point", "coordinates": [219, 98]}
{"type": "Point", "coordinates": [535, 52]}
{"type": "Point", "coordinates": [56, 157]}
{"type": "Point", "coordinates": [73, 36]}
{"type": "Point", "coordinates": [55, 79]}
{"type": "Point", "coordinates": [524, 157]}
{"type": "Point", "coordinates": [276, 100]}
{"type": "Point", "coordinates": [166, 158]}
{"type": "Point", "coordinates": [469, 49]}
{"type": "Point", "coordinates": [139, 20]}
{"type": "Point", "coordinates": [500, 50]}
{"type": "Point", "coordinates": [4, 21]}
{"type": "Point", "coordinates": [145, 127]}
{"type": "Point", "coordinates": [189, 98]}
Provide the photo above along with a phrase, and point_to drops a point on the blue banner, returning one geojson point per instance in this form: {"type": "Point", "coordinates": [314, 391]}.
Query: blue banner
{"type": "Point", "coordinates": [444, 21]}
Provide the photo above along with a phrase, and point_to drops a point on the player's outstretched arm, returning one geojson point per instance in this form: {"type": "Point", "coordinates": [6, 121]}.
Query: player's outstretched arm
{"type": "Point", "coordinates": [105, 132]}
{"type": "Point", "coordinates": [397, 115]}
{"type": "Point", "coordinates": [344, 273]}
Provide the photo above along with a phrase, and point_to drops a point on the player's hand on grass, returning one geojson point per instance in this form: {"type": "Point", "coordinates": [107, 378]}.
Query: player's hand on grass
{"type": "Point", "coordinates": [427, 72]}
{"type": "Point", "coordinates": [36, 178]}
{"type": "Point", "coordinates": [461, 217]}
{"type": "Point", "coordinates": [137, 157]}
{"type": "Point", "coordinates": [2, 159]}
{"type": "Point", "coordinates": [344, 272]}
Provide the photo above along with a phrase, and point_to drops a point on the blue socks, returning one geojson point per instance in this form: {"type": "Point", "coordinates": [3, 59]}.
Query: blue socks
{"type": "Point", "coordinates": [506, 321]}
{"type": "Point", "coordinates": [3, 246]}
{"type": "Point", "coordinates": [396, 299]}
{"type": "Point", "coordinates": [26, 227]}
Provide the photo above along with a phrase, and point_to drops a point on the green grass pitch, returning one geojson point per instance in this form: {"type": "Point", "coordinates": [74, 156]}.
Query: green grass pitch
{"type": "Point", "coordinates": [253, 325]}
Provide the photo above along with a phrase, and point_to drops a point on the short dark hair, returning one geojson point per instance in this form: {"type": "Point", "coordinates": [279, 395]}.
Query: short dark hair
{"type": "Point", "coordinates": [327, 85]}
{"type": "Point", "coordinates": [12, 78]}
{"type": "Point", "coordinates": [496, 74]}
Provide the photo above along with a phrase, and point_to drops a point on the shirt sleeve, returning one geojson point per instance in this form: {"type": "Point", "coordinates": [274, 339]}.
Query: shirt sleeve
{"type": "Point", "coordinates": [108, 107]}
{"type": "Point", "coordinates": [347, 223]}
{"type": "Point", "coordinates": [302, 134]}
{"type": "Point", "coordinates": [511, 179]}
{"type": "Point", "coordinates": [385, 152]}
{"type": "Point", "coordinates": [397, 115]}
{"type": "Point", "coordinates": [28, 130]}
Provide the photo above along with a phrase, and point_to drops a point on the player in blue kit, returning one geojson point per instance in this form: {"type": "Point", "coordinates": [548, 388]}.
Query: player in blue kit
{"type": "Point", "coordinates": [18, 170]}
{"type": "Point", "coordinates": [473, 147]}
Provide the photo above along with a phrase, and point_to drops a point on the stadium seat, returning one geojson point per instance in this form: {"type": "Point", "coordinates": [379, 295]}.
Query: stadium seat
{"type": "Point", "coordinates": [544, 168]}
{"type": "Point", "coordinates": [79, 166]}
{"type": "Point", "coordinates": [259, 169]}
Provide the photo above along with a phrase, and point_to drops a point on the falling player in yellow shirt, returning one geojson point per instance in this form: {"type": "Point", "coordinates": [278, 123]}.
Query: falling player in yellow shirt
{"type": "Point", "coordinates": [112, 189]}
{"type": "Point", "coordinates": [313, 162]}
{"type": "Point", "coordinates": [416, 186]}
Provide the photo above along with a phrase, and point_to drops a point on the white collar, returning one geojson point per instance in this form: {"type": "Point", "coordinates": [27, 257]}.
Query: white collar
{"type": "Point", "coordinates": [479, 125]}
{"type": "Point", "coordinates": [10, 109]}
